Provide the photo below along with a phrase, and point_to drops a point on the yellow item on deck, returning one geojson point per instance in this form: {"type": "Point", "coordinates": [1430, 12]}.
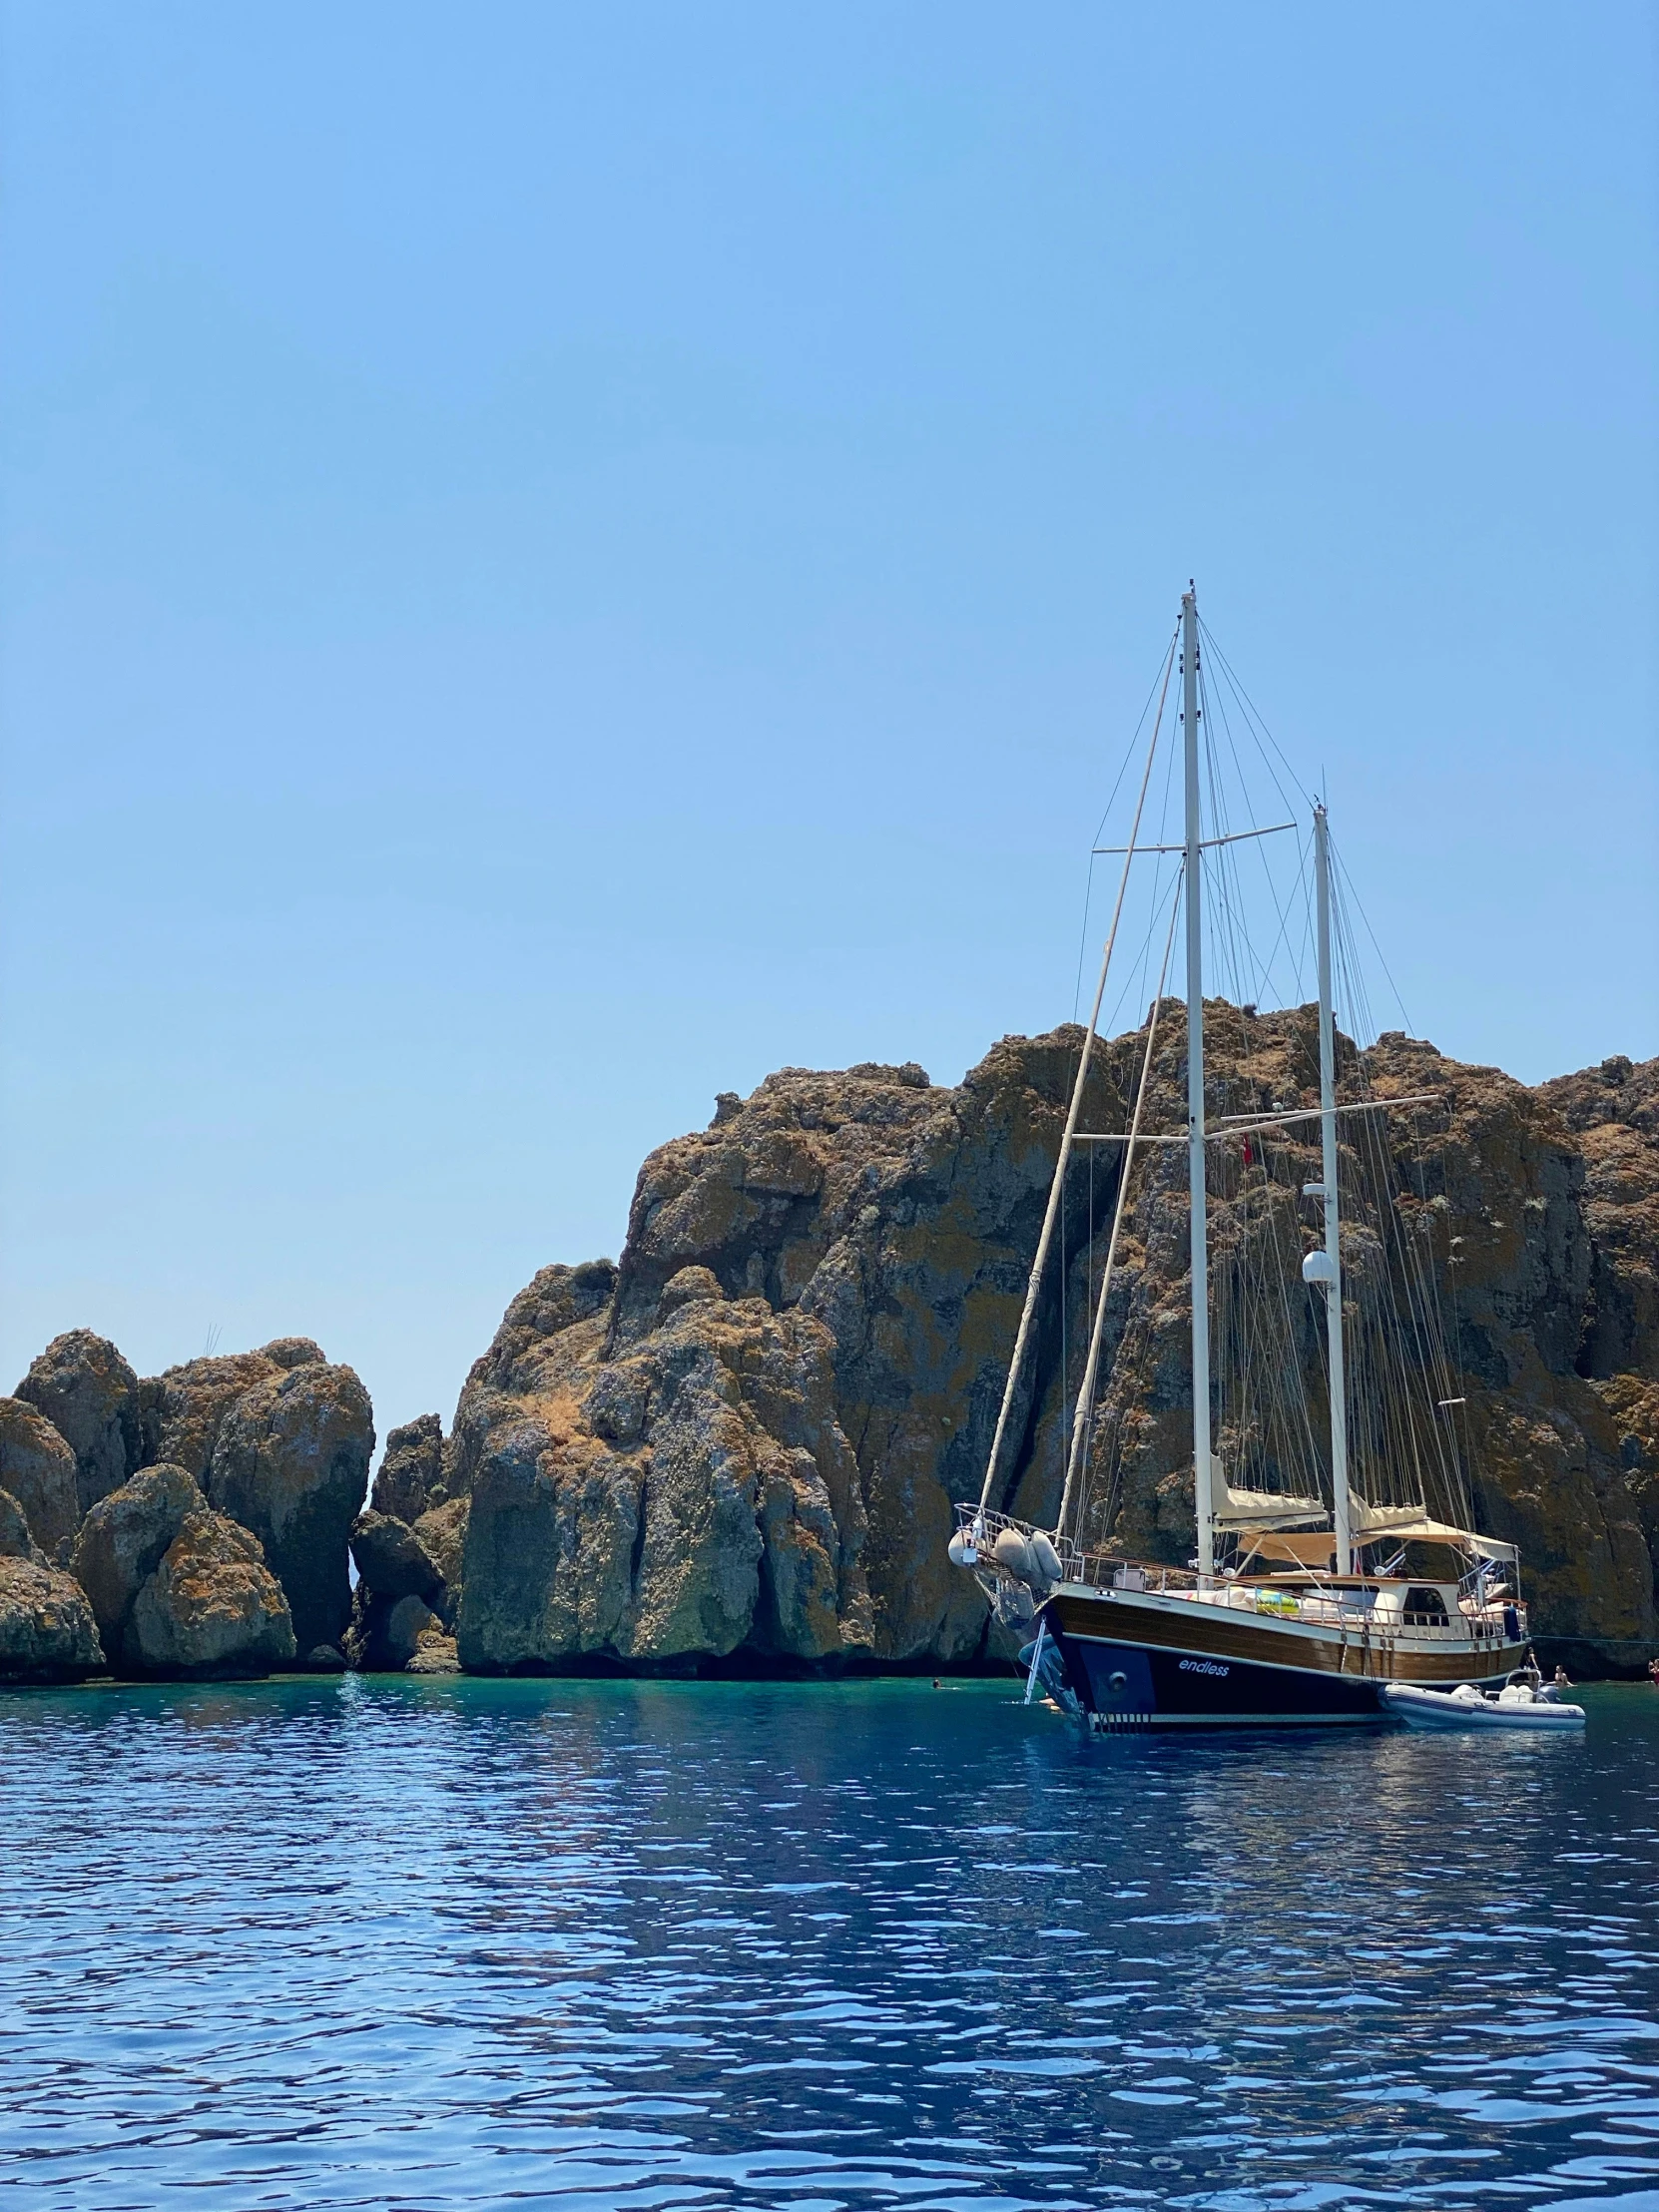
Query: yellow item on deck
{"type": "Point", "coordinates": [1275, 1601]}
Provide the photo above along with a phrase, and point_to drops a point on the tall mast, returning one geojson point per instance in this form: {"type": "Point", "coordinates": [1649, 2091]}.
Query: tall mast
{"type": "Point", "coordinates": [1332, 1223]}
{"type": "Point", "coordinates": [1202, 1465]}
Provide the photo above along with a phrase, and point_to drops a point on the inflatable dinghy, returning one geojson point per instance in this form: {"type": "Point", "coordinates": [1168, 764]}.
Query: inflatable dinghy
{"type": "Point", "coordinates": [1516, 1705]}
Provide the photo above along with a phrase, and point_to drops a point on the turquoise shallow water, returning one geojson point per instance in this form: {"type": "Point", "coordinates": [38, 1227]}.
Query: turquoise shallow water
{"type": "Point", "coordinates": [412, 1944]}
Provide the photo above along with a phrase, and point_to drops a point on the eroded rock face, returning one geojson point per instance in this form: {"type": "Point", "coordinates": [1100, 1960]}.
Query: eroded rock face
{"type": "Point", "coordinates": [434, 1653]}
{"type": "Point", "coordinates": [408, 1626]}
{"type": "Point", "coordinates": [211, 1610]}
{"type": "Point", "coordinates": [295, 1352]}
{"type": "Point", "coordinates": [291, 1464]}
{"type": "Point", "coordinates": [121, 1542]}
{"type": "Point", "coordinates": [37, 1469]}
{"type": "Point", "coordinates": [688, 1499]}
{"type": "Point", "coordinates": [1612, 1112]}
{"type": "Point", "coordinates": [391, 1561]}
{"type": "Point", "coordinates": [441, 1535]}
{"type": "Point", "coordinates": [47, 1632]}
{"type": "Point", "coordinates": [89, 1394]}
{"type": "Point", "coordinates": [412, 1476]}
{"type": "Point", "coordinates": [394, 1571]}
{"type": "Point", "coordinates": [176, 1589]}
{"type": "Point", "coordinates": [899, 1218]}
{"type": "Point", "coordinates": [837, 1265]}
{"type": "Point", "coordinates": [182, 1409]}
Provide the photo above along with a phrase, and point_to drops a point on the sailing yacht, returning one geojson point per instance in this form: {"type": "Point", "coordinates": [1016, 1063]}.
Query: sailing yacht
{"type": "Point", "coordinates": [1299, 1604]}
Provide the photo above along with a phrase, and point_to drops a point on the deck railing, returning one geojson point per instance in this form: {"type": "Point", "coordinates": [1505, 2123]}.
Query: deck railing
{"type": "Point", "coordinates": [1105, 1570]}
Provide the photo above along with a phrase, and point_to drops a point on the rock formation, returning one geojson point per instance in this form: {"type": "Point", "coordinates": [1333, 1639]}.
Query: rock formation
{"type": "Point", "coordinates": [86, 1390]}
{"type": "Point", "coordinates": [47, 1633]}
{"type": "Point", "coordinates": [211, 1609]}
{"type": "Point", "coordinates": [278, 1439]}
{"type": "Point", "coordinates": [688, 1497]}
{"type": "Point", "coordinates": [441, 1533]}
{"type": "Point", "coordinates": [182, 1409]}
{"type": "Point", "coordinates": [178, 1589]}
{"type": "Point", "coordinates": [392, 1560]}
{"type": "Point", "coordinates": [412, 1476]}
{"type": "Point", "coordinates": [121, 1542]}
{"type": "Point", "coordinates": [291, 1464]}
{"type": "Point", "coordinates": [37, 1469]}
{"type": "Point", "coordinates": [407, 1548]}
{"type": "Point", "coordinates": [747, 1450]}
{"type": "Point", "coordinates": [740, 1447]}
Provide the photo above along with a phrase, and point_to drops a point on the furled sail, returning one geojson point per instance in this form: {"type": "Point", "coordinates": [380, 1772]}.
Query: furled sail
{"type": "Point", "coordinates": [1266, 1508]}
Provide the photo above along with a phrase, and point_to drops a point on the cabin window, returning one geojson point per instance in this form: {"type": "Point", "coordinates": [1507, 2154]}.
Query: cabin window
{"type": "Point", "coordinates": [1425, 1607]}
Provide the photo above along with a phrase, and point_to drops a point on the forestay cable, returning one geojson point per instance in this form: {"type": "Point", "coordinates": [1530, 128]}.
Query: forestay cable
{"type": "Point", "coordinates": [1016, 1364]}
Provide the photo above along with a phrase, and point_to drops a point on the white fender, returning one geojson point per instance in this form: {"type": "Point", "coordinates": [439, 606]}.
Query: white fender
{"type": "Point", "coordinates": [1013, 1554]}
{"type": "Point", "coordinates": [1044, 1558]}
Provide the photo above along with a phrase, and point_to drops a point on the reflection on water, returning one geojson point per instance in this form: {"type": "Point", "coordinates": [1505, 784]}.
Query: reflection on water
{"type": "Point", "coordinates": [437, 1943]}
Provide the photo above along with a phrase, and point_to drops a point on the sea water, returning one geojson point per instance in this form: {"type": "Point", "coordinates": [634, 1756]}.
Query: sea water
{"type": "Point", "coordinates": [402, 1944]}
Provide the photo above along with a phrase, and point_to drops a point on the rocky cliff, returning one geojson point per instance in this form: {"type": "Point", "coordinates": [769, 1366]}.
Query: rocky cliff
{"type": "Point", "coordinates": [739, 1447]}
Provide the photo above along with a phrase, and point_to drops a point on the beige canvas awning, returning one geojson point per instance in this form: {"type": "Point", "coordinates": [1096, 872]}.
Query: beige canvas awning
{"type": "Point", "coordinates": [1409, 1524]}
{"type": "Point", "coordinates": [1317, 1548]}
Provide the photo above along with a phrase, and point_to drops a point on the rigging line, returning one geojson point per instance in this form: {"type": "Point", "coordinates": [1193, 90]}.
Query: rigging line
{"type": "Point", "coordinates": [1452, 1383]}
{"type": "Point", "coordinates": [1286, 1231]}
{"type": "Point", "coordinates": [1249, 973]}
{"type": "Point", "coordinates": [1220, 707]}
{"type": "Point", "coordinates": [1385, 1332]}
{"type": "Point", "coordinates": [1064, 1318]}
{"type": "Point", "coordinates": [1435, 1365]}
{"type": "Point", "coordinates": [1359, 907]}
{"type": "Point", "coordinates": [1129, 754]}
{"type": "Point", "coordinates": [1284, 934]}
{"type": "Point", "coordinates": [1281, 907]}
{"type": "Point", "coordinates": [1463, 1453]}
{"type": "Point", "coordinates": [1057, 1189]}
{"type": "Point", "coordinates": [1227, 890]}
{"type": "Point", "coordinates": [1081, 1419]}
{"type": "Point", "coordinates": [1258, 721]}
{"type": "Point", "coordinates": [1142, 955]}
{"type": "Point", "coordinates": [1083, 939]}
{"type": "Point", "coordinates": [1406, 1263]}
{"type": "Point", "coordinates": [1088, 1281]}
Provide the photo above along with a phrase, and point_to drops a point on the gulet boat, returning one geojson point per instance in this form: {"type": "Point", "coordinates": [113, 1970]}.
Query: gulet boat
{"type": "Point", "coordinates": [1323, 1570]}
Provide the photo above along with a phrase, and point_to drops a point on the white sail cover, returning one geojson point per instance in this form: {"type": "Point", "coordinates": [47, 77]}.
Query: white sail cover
{"type": "Point", "coordinates": [1266, 1508]}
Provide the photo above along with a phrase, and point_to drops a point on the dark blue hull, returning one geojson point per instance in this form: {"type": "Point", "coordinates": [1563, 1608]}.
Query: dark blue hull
{"type": "Point", "coordinates": [1152, 1661]}
{"type": "Point", "coordinates": [1128, 1686]}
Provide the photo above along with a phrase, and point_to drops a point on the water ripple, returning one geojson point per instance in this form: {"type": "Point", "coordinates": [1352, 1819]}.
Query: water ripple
{"type": "Point", "coordinates": [622, 1946]}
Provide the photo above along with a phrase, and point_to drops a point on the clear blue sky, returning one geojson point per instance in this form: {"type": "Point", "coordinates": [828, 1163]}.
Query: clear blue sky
{"type": "Point", "coordinates": [558, 559]}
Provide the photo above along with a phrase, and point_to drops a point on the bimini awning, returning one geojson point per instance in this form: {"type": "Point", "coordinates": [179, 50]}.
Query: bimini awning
{"type": "Point", "coordinates": [1409, 1524]}
{"type": "Point", "coordinates": [1317, 1549]}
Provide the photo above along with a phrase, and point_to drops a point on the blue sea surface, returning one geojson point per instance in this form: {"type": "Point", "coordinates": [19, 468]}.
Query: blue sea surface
{"type": "Point", "coordinates": [415, 1945]}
